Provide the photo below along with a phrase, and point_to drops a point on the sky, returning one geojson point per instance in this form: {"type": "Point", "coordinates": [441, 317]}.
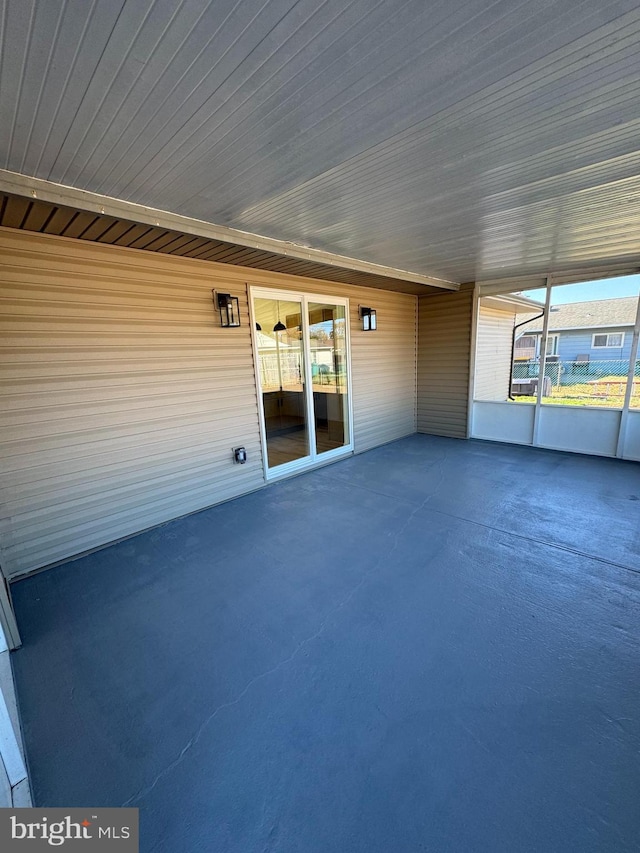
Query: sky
{"type": "Point", "coordinates": [607, 288]}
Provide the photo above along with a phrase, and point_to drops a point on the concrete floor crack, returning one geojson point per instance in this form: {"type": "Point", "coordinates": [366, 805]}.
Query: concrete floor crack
{"type": "Point", "coordinates": [303, 644]}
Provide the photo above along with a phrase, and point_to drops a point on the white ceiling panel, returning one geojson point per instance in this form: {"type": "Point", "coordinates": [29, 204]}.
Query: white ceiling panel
{"type": "Point", "coordinates": [462, 141]}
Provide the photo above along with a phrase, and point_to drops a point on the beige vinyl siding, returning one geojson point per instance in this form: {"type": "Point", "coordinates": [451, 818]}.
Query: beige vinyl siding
{"type": "Point", "coordinates": [384, 369]}
{"type": "Point", "coordinates": [444, 357]}
{"type": "Point", "coordinates": [122, 398]}
{"type": "Point", "coordinates": [493, 354]}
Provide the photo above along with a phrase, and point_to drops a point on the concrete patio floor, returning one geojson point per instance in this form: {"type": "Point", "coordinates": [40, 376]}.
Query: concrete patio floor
{"type": "Point", "coordinates": [432, 646]}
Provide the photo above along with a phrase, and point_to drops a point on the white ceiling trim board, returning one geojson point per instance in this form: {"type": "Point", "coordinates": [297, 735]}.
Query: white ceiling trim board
{"type": "Point", "coordinates": [23, 185]}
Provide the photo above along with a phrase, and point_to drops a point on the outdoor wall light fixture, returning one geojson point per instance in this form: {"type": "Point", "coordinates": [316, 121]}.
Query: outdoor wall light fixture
{"type": "Point", "coordinates": [229, 309]}
{"type": "Point", "coordinates": [240, 455]}
{"type": "Point", "coordinates": [369, 321]}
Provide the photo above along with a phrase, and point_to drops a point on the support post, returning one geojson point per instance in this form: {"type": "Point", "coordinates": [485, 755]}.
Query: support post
{"type": "Point", "coordinates": [543, 364]}
{"type": "Point", "coordinates": [633, 357]}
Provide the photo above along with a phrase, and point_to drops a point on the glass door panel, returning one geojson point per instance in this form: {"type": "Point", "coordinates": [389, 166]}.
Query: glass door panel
{"type": "Point", "coordinates": [328, 354]}
{"type": "Point", "coordinates": [280, 349]}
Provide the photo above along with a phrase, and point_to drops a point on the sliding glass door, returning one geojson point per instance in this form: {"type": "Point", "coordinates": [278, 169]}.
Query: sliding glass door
{"type": "Point", "coordinates": [301, 344]}
{"type": "Point", "coordinates": [281, 360]}
{"type": "Point", "coordinates": [328, 352]}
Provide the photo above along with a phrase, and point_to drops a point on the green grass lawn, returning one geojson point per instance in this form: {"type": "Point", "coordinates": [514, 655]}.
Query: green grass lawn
{"type": "Point", "coordinates": [607, 392]}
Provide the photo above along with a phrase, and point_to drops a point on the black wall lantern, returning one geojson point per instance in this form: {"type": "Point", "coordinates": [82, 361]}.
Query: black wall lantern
{"type": "Point", "coordinates": [369, 321]}
{"type": "Point", "coordinates": [229, 309]}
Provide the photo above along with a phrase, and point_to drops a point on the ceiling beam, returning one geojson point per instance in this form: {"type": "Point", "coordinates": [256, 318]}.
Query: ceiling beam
{"type": "Point", "coordinates": [36, 188]}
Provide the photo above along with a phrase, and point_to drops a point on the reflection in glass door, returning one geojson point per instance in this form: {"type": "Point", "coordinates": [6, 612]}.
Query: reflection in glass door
{"type": "Point", "coordinates": [282, 379]}
{"type": "Point", "coordinates": [302, 357]}
{"type": "Point", "coordinates": [328, 347]}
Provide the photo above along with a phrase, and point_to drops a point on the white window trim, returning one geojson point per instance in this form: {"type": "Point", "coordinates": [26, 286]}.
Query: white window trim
{"type": "Point", "coordinates": [607, 345]}
{"type": "Point", "coordinates": [555, 348]}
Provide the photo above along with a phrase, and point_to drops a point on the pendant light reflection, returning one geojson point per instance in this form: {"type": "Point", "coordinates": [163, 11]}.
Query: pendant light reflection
{"type": "Point", "coordinates": [279, 326]}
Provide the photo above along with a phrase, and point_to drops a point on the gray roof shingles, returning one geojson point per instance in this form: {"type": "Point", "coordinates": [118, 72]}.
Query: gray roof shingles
{"type": "Point", "coordinates": [602, 313]}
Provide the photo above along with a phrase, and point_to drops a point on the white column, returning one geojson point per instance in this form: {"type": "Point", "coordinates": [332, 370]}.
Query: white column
{"type": "Point", "coordinates": [633, 356]}
{"type": "Point", "coordinates": [543, 364]}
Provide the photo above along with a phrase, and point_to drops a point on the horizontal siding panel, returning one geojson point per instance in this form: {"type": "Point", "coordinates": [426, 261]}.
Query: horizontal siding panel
{"type": "Point", "coordinates": [29, 456]}
{"type": "Point", "coordinates": [122, 397]}
{"type": "Point", "coordinates": [444, 431]}
{"type": "Point", "coordinates": [454, 379]}
{"type": "Point", "coordinates": [85, 320]}
{"type": "Point", "coordinates": [41, 491]}
{"type": "Point", "coordinates": [224, 423]}
{"type": "Point", "coordinates": [451, 392]}
{"type": "Point", "coordinates": [444, 318]}
{"type": "Point", "coordinates": [30, 529]}
{"type": "Point", "coordinates": [452, 418]}
{"type": "Point", "coordinates": [78, 539]}
{"type": "Point", "coordinates": [34, 283]}
{"type": "Point", "coordinates": [444, 347]}
{"type": "Point", "coordinates": [42, 282]}
{"type": "Point", "coordinates": [14, 427]}
{"type": "Point", "coordinates": [124, 390]}
{"type": "Point", "coordinates": [493, 354]}
{"type": "Point", "coordinates": [452, 405]}
{"type": "Point", "coordinates": [143, 405]}
{"type": "Point", "coordinates": [32, 516]}
{"type": "Point", "coordinates": [43, 371]}
{"type": "Point", "coordinates": [130, 394]}
{"type": "Point", "coordinates": [31, 474]}
{"type": "Point", "coordinates": [454, 384]}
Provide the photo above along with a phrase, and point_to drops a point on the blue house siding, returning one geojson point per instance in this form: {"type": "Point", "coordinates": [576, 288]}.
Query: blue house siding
{"type": "Point", "coordinates": [601, 361]}
{"type": "Point", "coordinates": [579, 342]}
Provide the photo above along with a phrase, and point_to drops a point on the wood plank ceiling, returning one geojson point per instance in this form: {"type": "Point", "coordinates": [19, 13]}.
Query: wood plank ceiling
{"type": "Point", "coordinates": [472, 140]}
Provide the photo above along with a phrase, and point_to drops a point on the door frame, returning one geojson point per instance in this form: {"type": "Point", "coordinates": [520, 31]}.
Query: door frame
{"type": "Point", "coordinates": [8, 624]}
{"type": "Point", "coordinates": [314, 459]}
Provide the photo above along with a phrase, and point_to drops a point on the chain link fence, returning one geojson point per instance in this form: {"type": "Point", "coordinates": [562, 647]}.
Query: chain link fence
{"type": "Point", "coordinates": [579, 382]}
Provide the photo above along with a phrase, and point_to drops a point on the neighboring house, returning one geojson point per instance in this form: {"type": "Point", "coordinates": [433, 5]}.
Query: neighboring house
{"type": "Point", "coordinates": [582, 332]}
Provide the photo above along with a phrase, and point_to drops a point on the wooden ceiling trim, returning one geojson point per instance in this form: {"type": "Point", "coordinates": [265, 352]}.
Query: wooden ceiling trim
{"type": "Point", "coordinates": [80, 224]}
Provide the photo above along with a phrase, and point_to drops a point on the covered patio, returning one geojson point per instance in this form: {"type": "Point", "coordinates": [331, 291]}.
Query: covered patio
{"type": "Point", "coordinates": [428, 646]}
